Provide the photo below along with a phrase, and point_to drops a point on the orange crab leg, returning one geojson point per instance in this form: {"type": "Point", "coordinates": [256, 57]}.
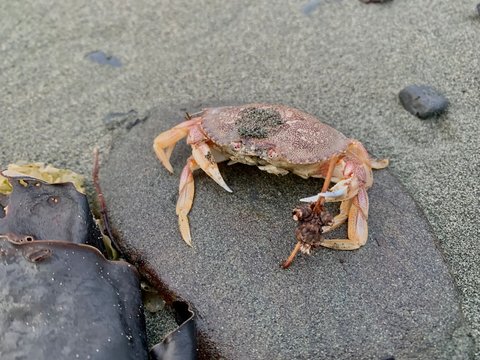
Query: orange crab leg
{"type": "Point", "coordinates": [202, 154]}
{"type": "Point", "coordinates": [379, 163]}
{"type": "Point", "coordinates": [186, 191]}
{"type": "Point", "coordinates": [357, 225]}
{"type": "Point", "coordinates": [326, 183]}
{"type": "Point", "coordinates": [186, 188]}
{"type": "Point", "coordinates": [286, 264]}
{"type": "Point", "coordinates": [168, 139]}
{"type": "Point", "coordinates": [340, 218]}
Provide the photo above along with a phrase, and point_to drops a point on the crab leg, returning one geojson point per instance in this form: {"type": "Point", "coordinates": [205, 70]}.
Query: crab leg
{"type": "Point", "coordinates": [326, 183]}
{"type": "Point", "coordinates": [204, 158]}
{"type": "Point", "coordinates": [186, 191]}
{"type": "Point", "coordinates": [340, 218]}
{"type": "Point", "coordinates": [203, 155]}
{"type": "Point", "coordinates": [357, 225]}
{"type": "Point", "coordinates": [200, 159]}
{"type": "Point", "coordinates": [168, 139]}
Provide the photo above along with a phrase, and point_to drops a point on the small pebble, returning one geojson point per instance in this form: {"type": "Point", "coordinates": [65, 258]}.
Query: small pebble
{"type": "Point", "coordinates": [100, 57]}
{"type": "Point", "coordinates": [422, 101]}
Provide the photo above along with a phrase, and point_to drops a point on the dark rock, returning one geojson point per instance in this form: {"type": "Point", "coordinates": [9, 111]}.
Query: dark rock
{"type": "Point", "coordinates": [393, 297]}
{"type": "Point", "coordinates": [422, 101]}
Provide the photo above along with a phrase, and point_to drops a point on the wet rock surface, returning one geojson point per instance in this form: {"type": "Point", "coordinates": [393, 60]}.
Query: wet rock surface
{"type": "Point", "coordinates": [423, 101]}
{"type": "Point", "coordinates": [392, 298]}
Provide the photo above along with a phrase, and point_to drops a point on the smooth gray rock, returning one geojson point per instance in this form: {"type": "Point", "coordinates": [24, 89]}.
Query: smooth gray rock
{"type": "Point", "coordinates": [423, 101]}
{"type": "Point", "coordinates": [394, 297]}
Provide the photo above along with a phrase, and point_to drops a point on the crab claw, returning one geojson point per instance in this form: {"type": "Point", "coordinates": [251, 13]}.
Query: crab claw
{"type": "Point", "coordinates": [202, 155]}
{"type": "Point", "coordinates": [339, 193]}
{"type": "Point", "coordinates": [329, 194]}
{"type": "Point", "coordinates": [310, 198]}
{"type": "Point", "coordinates": [343, 190]}
{"type": "Point", "coordinates": [168, 139]}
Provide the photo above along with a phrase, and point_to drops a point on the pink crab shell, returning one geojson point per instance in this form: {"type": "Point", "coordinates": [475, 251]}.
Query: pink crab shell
{"type": "Point", "coordinates": [300, 138]}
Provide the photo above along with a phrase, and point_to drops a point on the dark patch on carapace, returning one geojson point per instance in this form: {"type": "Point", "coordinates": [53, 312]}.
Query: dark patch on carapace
{"type": "Point", "coordinates": [257, 122]}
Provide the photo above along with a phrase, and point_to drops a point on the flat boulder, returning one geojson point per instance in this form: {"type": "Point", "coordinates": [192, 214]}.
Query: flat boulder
{"type": "Point", "coordinates": [393, 298]}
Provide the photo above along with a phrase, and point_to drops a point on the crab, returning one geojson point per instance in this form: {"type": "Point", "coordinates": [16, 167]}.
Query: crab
{"type": "Point", "coordinates": [278, 139]}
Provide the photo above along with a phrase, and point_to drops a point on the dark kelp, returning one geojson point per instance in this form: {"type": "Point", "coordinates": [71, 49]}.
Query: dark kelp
{"type": "Point", "coordinates": [62, 300]}
{"type": "Point", "coordinates": [181, 343]}
{"type": "Point", "coordinates": [49, 212]}
{"type": "Point", "coordinates": [60, 297]}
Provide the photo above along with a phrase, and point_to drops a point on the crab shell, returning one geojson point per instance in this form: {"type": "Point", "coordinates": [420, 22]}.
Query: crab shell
{"type": "Point", "coordinates": [288, 140]}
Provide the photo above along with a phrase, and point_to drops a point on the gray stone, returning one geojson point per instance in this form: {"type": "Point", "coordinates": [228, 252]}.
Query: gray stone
{"type": "Point", "coordinates": [422, 101]}
{"type": "Point", "coordinates": [392, 298]}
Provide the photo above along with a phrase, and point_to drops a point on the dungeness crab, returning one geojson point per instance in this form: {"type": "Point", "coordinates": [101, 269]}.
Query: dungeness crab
{"type": "Point", "coordinates": [279, 139]}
